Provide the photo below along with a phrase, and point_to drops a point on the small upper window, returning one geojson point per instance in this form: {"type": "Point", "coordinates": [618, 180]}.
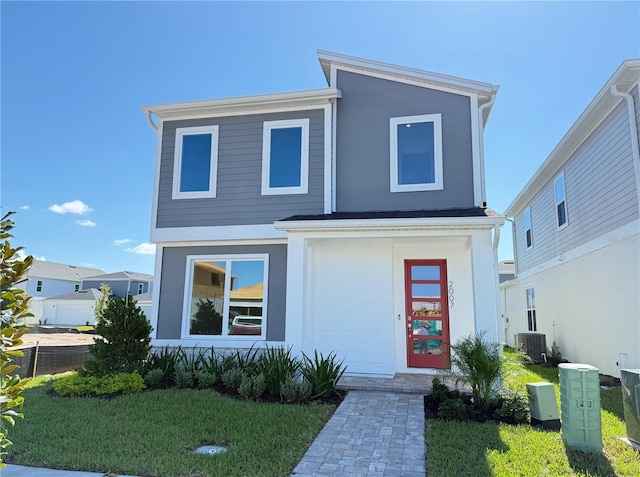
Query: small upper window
{"type": "Point", "coordinates": [39, 286]}
{"type": "Point", "coordinates": [195, 162]}
{"type": "Point", "coordinates": [140, 288]}
{"type": "Point", "coordinates": [77, 288]}
{"type": "Point", "coordinates": [561, 201]}
{"type": "Point", "coordinates": [416, 153]}
{"type": "Point", "coordinates": [527, 227]}
{"type": "Point", "coordinates": [285, 157]}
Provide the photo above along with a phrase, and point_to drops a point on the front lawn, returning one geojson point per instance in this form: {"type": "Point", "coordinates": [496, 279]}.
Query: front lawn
{"type": "Point", "coordinates": [154, 433]}
{"type": "Point", "coordinates": [491, 449]}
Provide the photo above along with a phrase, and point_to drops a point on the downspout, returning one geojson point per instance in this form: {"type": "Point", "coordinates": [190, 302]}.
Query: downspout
{"type": "Point", "coordinates": [481, 139]}
{"type": "Point", "coordinates": [496, 280]}
{"type": "Point", "coordinates": [153, 125]}
{"type": "Point", "coordinates": [515, 250]}
{"type": "Point", "coordinates": [634, 137]}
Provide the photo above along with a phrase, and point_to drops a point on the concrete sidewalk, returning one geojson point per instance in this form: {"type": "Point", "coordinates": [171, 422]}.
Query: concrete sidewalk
{"type": "Point", "coordinates": [12, 470]}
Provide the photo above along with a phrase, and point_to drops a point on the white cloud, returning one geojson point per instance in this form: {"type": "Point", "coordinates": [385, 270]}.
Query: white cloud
{"type": "Point", "coordinates": [21, 254]}
{"type": "Point", "coordinates": [143, 249]}
{"type": "Point", "coordinates": [41, 258]}
{"type": "Point", "coordinates": [73, 207]}
{"type": "Point", "coordinates": [86, 223]}
{"type": "Point", "coordinates": [25, 207]}
{"type": "Point", "coordinates": [122, 241]}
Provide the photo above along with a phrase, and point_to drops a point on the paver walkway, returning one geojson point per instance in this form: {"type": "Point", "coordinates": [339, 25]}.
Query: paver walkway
{"type": "Point", "coordinates": [373, 434]}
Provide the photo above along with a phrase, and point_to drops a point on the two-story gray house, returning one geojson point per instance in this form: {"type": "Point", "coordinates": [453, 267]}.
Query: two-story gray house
{"type": "Point", "coordinates": [350, 218]}
{"type": "Point", "coordinates": [577, 236]}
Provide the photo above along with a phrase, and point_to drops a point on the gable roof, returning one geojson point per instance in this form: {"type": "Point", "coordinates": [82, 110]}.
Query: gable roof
{"type": "Point", "coordinates": [92, 294]}
{"type": "Point", "coordinates": [124, 275]}
{"type": "Point", "coordinates": [624, 79]}
{"type": "Point", "coordinates": [252, 292]}
{"type": "Point", "coordinates": [485, 91]}
{"type": "Point", "coordinates": [60, 271]}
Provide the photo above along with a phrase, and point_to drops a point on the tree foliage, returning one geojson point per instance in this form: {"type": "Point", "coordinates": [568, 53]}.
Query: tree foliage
{"type": "Point", "coordinates": [124, 341]}
{"type": "Point", "coordinates": [102, 302]}
{"type": "Point", "coordinates": [14, 312]}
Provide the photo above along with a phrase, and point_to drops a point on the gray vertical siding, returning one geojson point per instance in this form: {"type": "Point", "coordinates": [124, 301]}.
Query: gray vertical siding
{"type": "Point", "coordinates": [362, 144]}
{"type": "Point", "coordinates": [238, 199]}
{"type": "Point", "coordinates": [600, 193]}
{"type": "Point", "coordinates": [174, 261]}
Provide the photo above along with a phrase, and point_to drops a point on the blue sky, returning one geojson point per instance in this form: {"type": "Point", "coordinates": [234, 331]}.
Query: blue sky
{"type": "Point", "coordinates": [77, 155]}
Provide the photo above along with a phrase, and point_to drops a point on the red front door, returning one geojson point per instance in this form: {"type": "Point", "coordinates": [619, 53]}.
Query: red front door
{"type": "Point", "coordinates": [427, 313]}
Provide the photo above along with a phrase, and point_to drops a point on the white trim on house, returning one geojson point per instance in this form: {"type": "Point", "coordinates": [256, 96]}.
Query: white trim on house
{"type": "Point", "coordinates": [223, 232]}
{"type": "Point", "coordinates": [328, 159]}
{"type": "Point", "coordinates": [477, 155]}
{"type": "Point", "coordinates": [243, 105]}
{"type": "Point", "coordinates": [437, 184]}
{"type": "Point", "coordinates": [155, 292]}
{"type": "Point", "coordinates": [268, 126]}
{"type": "Point", "coordinates": [156, 174]}
{"type": "Point", "coordinates": [188, 298]}
{"type": "Point", "coordinates": [176, 193]}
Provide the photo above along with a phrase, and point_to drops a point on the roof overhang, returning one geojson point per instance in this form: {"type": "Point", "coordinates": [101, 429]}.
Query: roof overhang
{"type": "Point", "coordinates": [307, 99]}
{"type": "Point", "coordinates": [624, 78]}
{"type": "Point", "coordinates": [426, 224]}
{"type": "Point", "coordinates": [484, 91]}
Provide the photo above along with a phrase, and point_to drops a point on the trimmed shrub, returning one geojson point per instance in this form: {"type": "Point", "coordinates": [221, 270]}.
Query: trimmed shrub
{"type": "Point", "coordinates": [205, 379]}
{"type": "Point", "coordinates": [454, 410]}
{"type": "Point", "coordinates": [154, 378]}
{"type": "Point", "coordinates": [252, 387]}
{"type": "Point", "coordinates": [183, 377]}
{"type": "Point", "coordinates": [513, 409]}
{"type": "Point", "coordinates": [76, 385]}
{"type": "Point", "coordinates": [232, 378]}
{"type": "Point", "coordinates": [293, 390]}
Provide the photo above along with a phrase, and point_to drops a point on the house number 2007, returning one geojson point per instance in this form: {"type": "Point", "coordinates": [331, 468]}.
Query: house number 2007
{"type": "Point", "coordinates": [450, 294]}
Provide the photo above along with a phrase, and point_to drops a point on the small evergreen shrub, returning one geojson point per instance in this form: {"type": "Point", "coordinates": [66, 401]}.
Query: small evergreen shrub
{"type": "Point", "coordinates": [124, 342]}
{"type": "Point", "coordinates": [164, 359]}
{"type": "Point", "coordinates": [76, 385]}
{"type": "Point", "coordinates": [295, 391]}
{"type": "Point", "coordinates": [554, 356]}
{"type": "Point", "coordinates": [205, 379]}
{"type": "Point", "coordinates": [454, 410]}
{"type": "Point", "coordinates": [232, 378]}
{"type": "Point", "coordinates": [183, 377]}
{"type": "Point", "coordinates": [513, 409]}
{"type": "Point", "coordinates": [252, 387]}
{"type": "Point", "coordinates": [154, 378]}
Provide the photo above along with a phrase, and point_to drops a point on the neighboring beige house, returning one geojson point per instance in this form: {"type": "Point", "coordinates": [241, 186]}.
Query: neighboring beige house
{"type": "Point", "coordinates": [577, 230]}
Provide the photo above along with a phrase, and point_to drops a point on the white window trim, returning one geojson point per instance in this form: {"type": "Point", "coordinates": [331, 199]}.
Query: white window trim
{"type": "Point", "coordinates": [564, 188]}
{"type": "Point", "coordinates": [303, 188]}
{"type": "Point", "coordinates": [528, 211]}
{"type": "Point", "coordinates": [177, 163]}
{"type": "Point", "coordinates": [436, 119]}
{"type": "Point", "coordinates": [224, 339]}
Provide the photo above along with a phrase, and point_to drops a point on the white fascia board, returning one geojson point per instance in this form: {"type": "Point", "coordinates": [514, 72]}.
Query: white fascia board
{"type": "Point", "coordinates": [216, 233]}
{"type": "Point", "coordinates": [328, 59]}
{"type": "Point", "coordinates": [453, 223]}
{"type": "Point", "coordinates": [156, 174]}
{"type": "Point", "coordinates": [296, 100]}
{"type": "Point", "coordinates": [625, 78]}
{"type": "Point", "coordinates": [328, 159]}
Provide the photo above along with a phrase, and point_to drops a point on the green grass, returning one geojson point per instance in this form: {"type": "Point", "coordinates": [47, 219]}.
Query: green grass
{"type": "Point", "coordinates": [154, 433]}
{"type": "Point", "coordinates": [491, 449]}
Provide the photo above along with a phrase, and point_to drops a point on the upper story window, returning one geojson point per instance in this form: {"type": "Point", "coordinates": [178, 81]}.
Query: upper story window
{"type": "Point", "coordinates": [285, 157]}
{"type": "Point", "coordinates": [231, 306]}
{"type": "Point", "coordinates": [195, 162]}
{"type": "Point", "coordinates": [527, 227]}
{"type": "Point", "coordinates": [77, 287]}
{"type": "Point", "coordinates": [140, 288]}
{"type": "Point", "coordinates": [561, 201]}
{"type": "Point", "coordinates": [416, 153]}
{"type": "Point", "coordinates": [39, 286]}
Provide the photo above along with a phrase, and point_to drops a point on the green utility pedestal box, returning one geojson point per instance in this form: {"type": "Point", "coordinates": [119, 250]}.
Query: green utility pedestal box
{"type": "Point", "coordinates": [580, 406]}
{"type": "Point", "coordinates": [543, 405]}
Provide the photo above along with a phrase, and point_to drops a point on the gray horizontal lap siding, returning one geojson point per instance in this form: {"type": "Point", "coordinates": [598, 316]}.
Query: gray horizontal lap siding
{"type": "Point", "coordinates": [174, 261]}
{"type": "Point", "coordinates": [363, 142]}
{"type": "Point", "coordinates": [600, 194]}
{"type": "Point", "coordinates": [238, 198]}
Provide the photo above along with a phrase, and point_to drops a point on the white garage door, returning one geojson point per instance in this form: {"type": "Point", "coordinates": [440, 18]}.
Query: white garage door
{"type": "Point", "coordinates": [75, 314]}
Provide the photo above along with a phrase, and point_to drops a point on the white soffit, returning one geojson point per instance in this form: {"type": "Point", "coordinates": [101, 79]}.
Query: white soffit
{"type": "Point", "coordinates": [624, 78]}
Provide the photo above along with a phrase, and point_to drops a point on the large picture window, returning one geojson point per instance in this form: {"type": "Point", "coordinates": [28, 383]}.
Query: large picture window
{"type": "Point", "coordinates": [416, 153]}
{"type": "Point", "coordinates": [285, 157]}
{"type": "Point", "coordinates": [195, 162]}
{"type": "Point", "coordinates": [225, 296]}
{"type": "Point", "coordinates": [561, 201]}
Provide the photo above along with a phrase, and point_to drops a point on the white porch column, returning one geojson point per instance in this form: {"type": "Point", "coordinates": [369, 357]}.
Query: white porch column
{"type": "Point", "coordinates": [296, 279]}
{"type": "Point", "coordinates": [484, 285]}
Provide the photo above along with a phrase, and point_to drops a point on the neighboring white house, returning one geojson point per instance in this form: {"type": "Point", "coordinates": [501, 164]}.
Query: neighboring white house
{"type": "Point", "coordinates": [577, 247]}
{"type": "Point", "coordinates": [47, 279]}
{"type": "Point", "coordinates": [71, 309]}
